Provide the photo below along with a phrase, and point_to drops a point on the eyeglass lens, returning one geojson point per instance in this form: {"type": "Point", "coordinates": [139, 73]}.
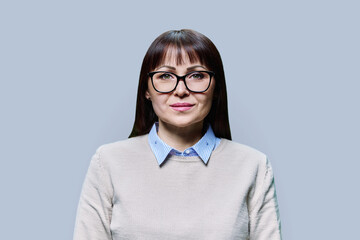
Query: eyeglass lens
{"type": "Point", "coordinates": [195, 81]}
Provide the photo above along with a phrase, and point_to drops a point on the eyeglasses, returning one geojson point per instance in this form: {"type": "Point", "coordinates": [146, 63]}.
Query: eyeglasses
{"type": "Point", "coordinates": [165, 82]}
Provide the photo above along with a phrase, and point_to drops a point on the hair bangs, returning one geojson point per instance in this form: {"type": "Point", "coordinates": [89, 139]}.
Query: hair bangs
{"type": "Point", "coordinates": [178, 51]}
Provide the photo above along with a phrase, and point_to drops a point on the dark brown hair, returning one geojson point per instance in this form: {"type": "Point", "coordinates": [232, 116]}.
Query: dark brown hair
{"type": "Point", "coordinates": [197, 47]}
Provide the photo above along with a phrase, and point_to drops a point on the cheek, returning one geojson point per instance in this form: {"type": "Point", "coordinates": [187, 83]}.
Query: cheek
{"type": "Point", "coordinates": [208, 105]}
{"type": "Point", "coordinates": [209, 98]}
{"type": "Point", "coordinates": [205, 105]}
{"type": "Point", "coordinates": [158, 103]}
{"type": "Point", "coordinates": [156, 100]}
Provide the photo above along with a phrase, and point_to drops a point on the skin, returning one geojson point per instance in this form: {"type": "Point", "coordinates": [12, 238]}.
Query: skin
{"type": "Point", "coordinates": [180, 130]}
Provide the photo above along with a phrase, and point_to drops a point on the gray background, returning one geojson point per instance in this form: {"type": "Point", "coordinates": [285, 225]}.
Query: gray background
{"type": "Point", "coordinates": [69, 72]}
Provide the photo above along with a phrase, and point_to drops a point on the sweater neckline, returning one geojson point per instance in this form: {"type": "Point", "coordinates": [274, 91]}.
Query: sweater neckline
{"type": "Point", "coordinates": [217, 150]}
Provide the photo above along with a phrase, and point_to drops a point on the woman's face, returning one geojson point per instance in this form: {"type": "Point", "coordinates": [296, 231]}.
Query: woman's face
{"type": "Point", "coordinates": [180, 108]}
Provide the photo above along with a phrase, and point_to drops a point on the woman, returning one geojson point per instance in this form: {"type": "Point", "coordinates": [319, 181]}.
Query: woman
{"type": "Point", "coordinates": [179, 175]}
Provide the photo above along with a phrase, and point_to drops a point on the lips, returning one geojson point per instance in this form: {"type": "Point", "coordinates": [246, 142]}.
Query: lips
{"type": "Point", "coordinates": [181, 106]}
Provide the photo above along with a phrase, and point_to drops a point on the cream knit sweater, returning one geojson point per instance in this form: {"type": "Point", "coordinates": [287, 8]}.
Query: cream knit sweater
{"type": "Point", "coordinates": [126, 195]}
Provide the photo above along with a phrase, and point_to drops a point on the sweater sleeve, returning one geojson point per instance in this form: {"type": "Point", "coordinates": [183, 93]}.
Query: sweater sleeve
{"type": "Point", "coordinates": [95, 204]}
{"type": "Point", "coordinates": [263, 207]}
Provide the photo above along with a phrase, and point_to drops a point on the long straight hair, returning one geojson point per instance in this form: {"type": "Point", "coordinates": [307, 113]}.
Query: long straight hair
{"type": "Point", "coordinates": [198, 48]}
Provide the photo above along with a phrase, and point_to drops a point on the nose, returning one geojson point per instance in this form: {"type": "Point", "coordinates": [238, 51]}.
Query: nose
{"type": "Point", "coordinates": [181, 90]}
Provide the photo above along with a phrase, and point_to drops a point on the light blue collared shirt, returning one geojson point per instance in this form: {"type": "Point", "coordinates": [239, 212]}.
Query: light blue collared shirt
{"type": "Point", "coordinates": [203, 148]}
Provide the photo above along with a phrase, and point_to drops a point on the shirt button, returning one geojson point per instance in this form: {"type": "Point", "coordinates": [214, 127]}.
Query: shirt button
{"type": "Point", "coordinates": [187, 151]}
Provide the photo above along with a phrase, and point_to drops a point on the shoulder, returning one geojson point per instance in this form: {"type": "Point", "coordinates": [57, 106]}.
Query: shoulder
{"type": "Point", "coordinates": [234, 148]}
{"type": "Point", "coordinates": [126, 149]}
{"type": "Point", "coordinates": [128, 145]}
{"type": "Point", "coordinates": [240, 153]}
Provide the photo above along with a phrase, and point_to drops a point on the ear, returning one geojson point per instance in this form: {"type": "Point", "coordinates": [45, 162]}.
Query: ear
{"type": "Point", "coordinates": [147, 95]}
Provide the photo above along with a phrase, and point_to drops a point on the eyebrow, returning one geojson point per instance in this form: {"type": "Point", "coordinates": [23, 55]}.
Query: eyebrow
{"type": "Point", "coordinates": [196, 66]}
{"type": "Point", "coordinates": [166, 66]}
{"type": "Point", "coordinates": [174, 68]}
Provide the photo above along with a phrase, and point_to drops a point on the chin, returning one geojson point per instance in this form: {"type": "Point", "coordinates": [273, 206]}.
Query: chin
{"type": "Point", "coordinates": [182, 123]}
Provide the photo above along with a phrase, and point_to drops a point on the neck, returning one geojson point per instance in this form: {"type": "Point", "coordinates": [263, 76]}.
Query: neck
{"type": "Point", "coordinates": [180, 138]}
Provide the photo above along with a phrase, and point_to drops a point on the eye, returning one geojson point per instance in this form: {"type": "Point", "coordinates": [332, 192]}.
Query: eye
{"type": "Point", "coordinates": [165, 76]}
{"type": "Point", "coordinates": [196, 75]}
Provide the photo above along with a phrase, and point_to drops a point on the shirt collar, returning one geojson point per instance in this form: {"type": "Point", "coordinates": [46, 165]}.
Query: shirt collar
{"type": "Point", "coordinates": [161, 150]}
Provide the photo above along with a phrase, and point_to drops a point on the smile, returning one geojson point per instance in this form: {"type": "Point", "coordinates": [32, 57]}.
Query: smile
{"type": "Point", "coordinates": [181, 107]}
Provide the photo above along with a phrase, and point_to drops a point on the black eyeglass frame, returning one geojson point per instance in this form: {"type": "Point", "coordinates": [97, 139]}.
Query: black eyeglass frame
{"type": "Point", "coordinates": [178, 78]}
